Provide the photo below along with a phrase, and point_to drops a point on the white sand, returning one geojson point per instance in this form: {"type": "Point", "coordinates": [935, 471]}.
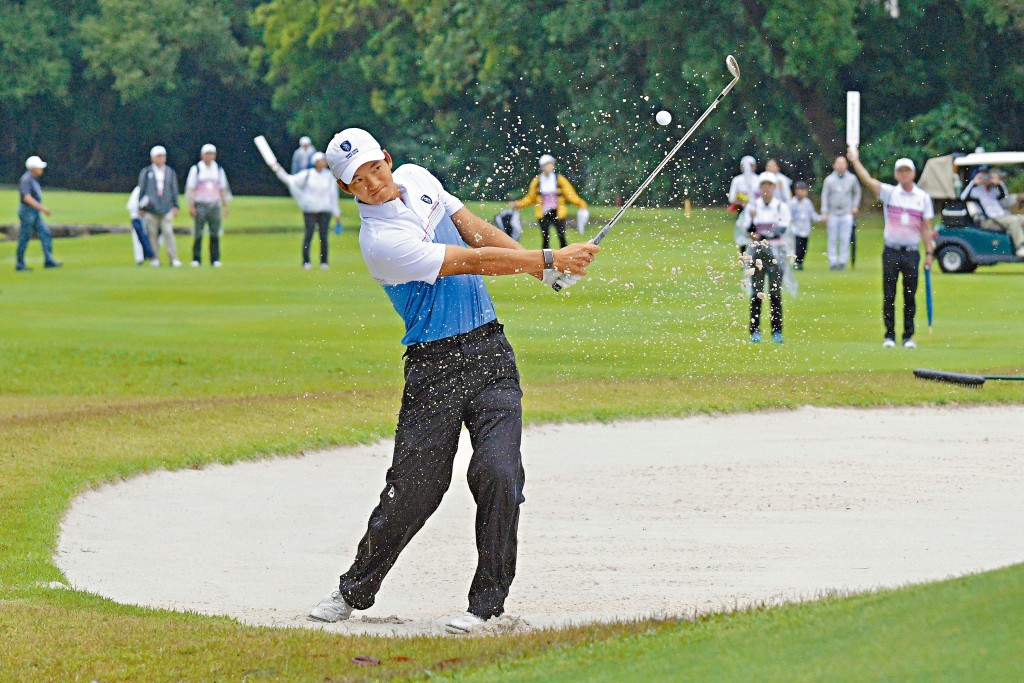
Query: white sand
{"type": "Point", "coordinates": [623, 520]}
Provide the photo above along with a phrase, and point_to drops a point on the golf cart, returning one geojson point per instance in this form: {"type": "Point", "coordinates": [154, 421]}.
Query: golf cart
{"type": "Point", "coordinates": [961, 244]}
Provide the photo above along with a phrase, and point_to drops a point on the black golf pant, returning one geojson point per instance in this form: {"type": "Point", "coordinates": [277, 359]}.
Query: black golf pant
{"type": "Point", "coordinates": [773, 269]}
{"type": "Point", "coordinates": [468, 379]}
{"type": "Point", "coordinates": [801, 250]}
{"type": "Point", "coordinates": [896, 263]}
{"type": "Point", "coordinates": [315, 222]}
{"type": "Point", "coordinates": [546, 221]}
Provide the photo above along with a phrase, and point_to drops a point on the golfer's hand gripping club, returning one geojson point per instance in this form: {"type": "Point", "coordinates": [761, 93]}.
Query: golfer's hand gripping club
{"type": "Point", "coordinates": [570, 265]}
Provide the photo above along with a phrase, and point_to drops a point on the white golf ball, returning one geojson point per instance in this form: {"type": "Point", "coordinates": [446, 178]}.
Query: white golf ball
{"type": "Point", "coordinates": [663, 117]}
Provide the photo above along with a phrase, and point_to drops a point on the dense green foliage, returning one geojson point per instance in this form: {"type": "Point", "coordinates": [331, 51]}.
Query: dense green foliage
{"type": "Point", "coordinates": [482, 88]}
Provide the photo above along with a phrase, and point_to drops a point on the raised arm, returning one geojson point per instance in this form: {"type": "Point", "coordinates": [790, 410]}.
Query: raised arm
{"type": "Point", "coordinates": [853, 154]}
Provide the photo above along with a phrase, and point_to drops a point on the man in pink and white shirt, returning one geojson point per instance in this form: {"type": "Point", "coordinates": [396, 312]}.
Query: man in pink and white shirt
{"type": "Point", "coordinates": [908, 215]}
{"type": "Point", "coordinates": [208, 195]}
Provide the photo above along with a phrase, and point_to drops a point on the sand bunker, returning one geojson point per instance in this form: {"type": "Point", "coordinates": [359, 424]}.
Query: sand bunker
{"type": "Point", "coordinates": [622, 520]}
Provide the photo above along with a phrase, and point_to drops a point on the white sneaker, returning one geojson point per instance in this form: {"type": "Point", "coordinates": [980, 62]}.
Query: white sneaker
{"type": "Point", "coordinates": [216, 264]}
{"type": "Point", "coordinates": [331, 609]}
{"type": "Point", "coordinates": [307, 266]}
{"type": "Point", "coordinates": [176, 263]}
{"type": "Point", "coordinates": [464, 623]}
{"type": "Point", "coordinates": [909, 344]}
{"type": "Point", "coordinates": [1020, 252]}
{"type": "Point", "coordinates": [889, 344]}
{"type": "Point", "coordinates": [155, 263]}
{"type": "Point", "coordinates": [195, 264]}
{"type": "Point", "coordinates": [324, 266]}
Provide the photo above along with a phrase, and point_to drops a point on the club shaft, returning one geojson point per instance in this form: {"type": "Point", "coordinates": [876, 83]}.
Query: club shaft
{"type": "Point", "coordinates": [664, 162]}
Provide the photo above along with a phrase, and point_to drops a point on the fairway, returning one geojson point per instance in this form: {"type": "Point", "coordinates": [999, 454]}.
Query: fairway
{"type": "Point", "coordinates": [112, 370]}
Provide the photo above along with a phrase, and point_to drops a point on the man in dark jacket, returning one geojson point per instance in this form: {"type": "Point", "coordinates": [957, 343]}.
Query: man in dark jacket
{"type": "Point", "coordinates": [158, 202]}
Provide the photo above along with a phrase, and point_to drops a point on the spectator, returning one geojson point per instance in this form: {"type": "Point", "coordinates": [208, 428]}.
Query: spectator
{"type": "Point", "coordinates": [550, 191]}
{"type": "Point", "coordinates": [766, 220]}
{"type": "Point", "coordinates": [158, 202]}
{"type": "Point", "coordinates": [908, 215]}
{"type": "Point", "coordinates": [208, 194]}
{"type": "Point", "coordinates": [316, 192]}
{"type": "Point", "coordinates": [30, 213]}
{"type": "Point", "coordinates": [987, 188]}
{"type": "Point", "coordinates": [141, 247]}
{"type": "Point", "coordinates": [801, 209]}
{"type": "Point", "coordinates": [840, 202]}
{"type": "Point", "coordinates": [783, 185]}
{"type": "Point", "coordinates": [743, 190]}
{"type": "Point", "coordinates": [302, 158]}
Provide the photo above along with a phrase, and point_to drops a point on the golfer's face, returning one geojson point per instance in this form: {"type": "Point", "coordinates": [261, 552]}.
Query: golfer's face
{"type": "Point", "coordinates": [373, 184]}
{"type": "Point", "coordinates": [904, 175]}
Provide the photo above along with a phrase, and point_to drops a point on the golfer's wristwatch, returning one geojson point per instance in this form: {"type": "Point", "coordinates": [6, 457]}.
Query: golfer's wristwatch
{"type": "Point", "coordinates": [549, 259]}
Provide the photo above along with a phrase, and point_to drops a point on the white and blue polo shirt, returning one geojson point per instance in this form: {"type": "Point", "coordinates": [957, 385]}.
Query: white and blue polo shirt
{"type": "Point", "coordinates": [403, 243]}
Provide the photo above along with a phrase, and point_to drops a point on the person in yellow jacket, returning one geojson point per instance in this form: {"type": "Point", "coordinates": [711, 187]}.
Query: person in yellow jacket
{"type": "Point", "coordinates": [550, 191]}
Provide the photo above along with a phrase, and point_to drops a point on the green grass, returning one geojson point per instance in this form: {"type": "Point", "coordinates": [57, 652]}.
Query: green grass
{"type": "Point", "coordinates": [110, 370]}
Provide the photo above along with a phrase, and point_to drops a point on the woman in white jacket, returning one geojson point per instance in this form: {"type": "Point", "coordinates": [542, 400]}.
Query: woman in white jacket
{"type": "Point", "coordinates": [316, 193]}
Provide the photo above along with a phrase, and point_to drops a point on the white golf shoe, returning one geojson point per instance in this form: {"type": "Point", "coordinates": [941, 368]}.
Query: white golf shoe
{"type": "Point", "coordinates": [909, 344]}
{"type": "Point", "coordinates": [331, 609]}
{"type": "Point", "coordinates": [464, 623]}
{"type": "Point", "coordinates": [889, 344]}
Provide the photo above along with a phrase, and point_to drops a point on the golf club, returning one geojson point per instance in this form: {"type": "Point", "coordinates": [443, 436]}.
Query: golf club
{"type": "Point", "coordinates": [734, 69]}
{"type": "Point", "coordinates": [962, 379]}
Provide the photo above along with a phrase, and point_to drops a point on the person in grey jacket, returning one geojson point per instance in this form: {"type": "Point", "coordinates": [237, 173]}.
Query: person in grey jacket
{"type": "Point", "coordinates": [302, 158]}
{"type": "Point", "coordinates": [840, 202]}
{"type": "Point", "coordinates": [158, 202]}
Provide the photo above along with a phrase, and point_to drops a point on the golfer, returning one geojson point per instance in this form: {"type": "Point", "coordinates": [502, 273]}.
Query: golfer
{"type": "Point", "coordinates": [30, 213]}
{"type": "Point", "coordinates": [766, 220]}
{"type": "Point", "coordinates": [550, 191]}
{"type": "Point", "coordinates": [908, 215]}
{"type": "Point", "coordinates": [428, 252]}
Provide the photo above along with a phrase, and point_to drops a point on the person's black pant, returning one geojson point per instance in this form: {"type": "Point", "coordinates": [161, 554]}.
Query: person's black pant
{"type": "Point", "coordinates": [546, 221]}
{"type": "Point", "coordinates": [318, 222]}
{"type": "Point", "coordinates": [772, 268]}
{"type": "Point", "coordinates": [472, 379]}
{"type": "Point", "coordinates": [208, 220]}
{"type": "Point", "coordinates": [801, 250]}
{"type": "Point", "coordinates": [896, 263]}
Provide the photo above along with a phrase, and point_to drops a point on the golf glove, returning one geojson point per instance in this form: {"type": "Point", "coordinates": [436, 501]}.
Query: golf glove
{"type": "Point", "coordinates": [551, 276]}
{"type": "Point", "coordinates": [565, 281]}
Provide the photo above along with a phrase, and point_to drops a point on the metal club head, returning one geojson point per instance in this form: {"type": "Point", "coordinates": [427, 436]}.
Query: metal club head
{"type": "Point", "coordinates": [732, 66]}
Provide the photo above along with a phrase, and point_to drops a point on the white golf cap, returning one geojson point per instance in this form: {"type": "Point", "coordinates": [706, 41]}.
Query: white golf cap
{"type": "Point", "coordinates": [304, 140]}
{"type": "Point", "coordinates": [904, 163]}
{"type": "Point", "coordinates": [350, 149]}
{"type": "Point", "coordinates": [767, 177]}
{"type": "Point", "coordinates": [157, 151]}
{"type": "Point", "coordinates": [317, 157]}
{"type": "Point", "coordinates": [208, 149]}
{"type": "Point", "coordinates": [34, 162]}
{"type": "Point", "coordinates": [546, 159]}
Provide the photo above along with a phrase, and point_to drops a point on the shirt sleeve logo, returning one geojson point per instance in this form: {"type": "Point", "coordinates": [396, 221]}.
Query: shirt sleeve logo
{"type": "Point", "coordinates": [427, 200]}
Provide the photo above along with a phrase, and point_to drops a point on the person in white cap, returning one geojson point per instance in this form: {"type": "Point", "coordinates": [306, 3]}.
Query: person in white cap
{"type": "Point", "coordinates": [766, 219]}
{"type": "Point", "coordinates": [744, 189]}
{"type": "Point", "coordinates": [302, 158]}
{"type": "Point", "coordinates": [429, 251]}
{"type": "Point", "coordinates": [550, 191]}
{"type": "Point", "coordinates": [30, 214]}
{"type": "Point", "coordinates": [315, 190]}
{"type": "Point", "coordinates": [908, 216]}
{"type": "Point", "coordinates": [208, 194]}
{"type": "Point", "coordinates": [158, 202]}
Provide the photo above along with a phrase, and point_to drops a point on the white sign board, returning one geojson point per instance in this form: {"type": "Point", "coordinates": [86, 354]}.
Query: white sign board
{"type": "Point", "coordinates": [853, 118]}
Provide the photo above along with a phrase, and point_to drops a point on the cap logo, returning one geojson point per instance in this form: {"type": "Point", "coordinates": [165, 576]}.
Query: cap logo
{"type": "Point", "coordinates": [427, 200]}
{"type": "Point", "coordinates": [346, 146]}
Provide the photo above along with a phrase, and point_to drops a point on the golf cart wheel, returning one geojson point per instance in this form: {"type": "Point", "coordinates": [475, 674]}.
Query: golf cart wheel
{"type": "Point", "coordinates": [953, 259]}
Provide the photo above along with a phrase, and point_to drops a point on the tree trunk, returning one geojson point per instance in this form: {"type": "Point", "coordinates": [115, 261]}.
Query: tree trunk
{"type": "Point", "coordinates": [822, 127]}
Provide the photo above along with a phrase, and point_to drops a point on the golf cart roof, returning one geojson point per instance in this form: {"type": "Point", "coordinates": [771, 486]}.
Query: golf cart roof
{"type": "Point", "coordinates": [989, 159]}
{"type": "Point", "coordinates": [939, 176]}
